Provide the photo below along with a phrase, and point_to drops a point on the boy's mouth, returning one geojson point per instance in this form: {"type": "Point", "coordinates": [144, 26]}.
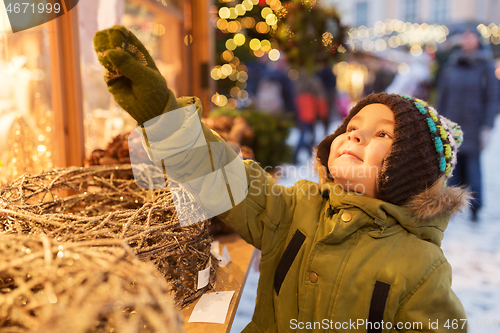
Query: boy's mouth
{"type": "Point", "coordinates": [347, 152]}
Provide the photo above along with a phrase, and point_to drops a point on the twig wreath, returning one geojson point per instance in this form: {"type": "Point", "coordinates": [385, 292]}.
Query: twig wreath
{"type": "Point", "coordinates": [48, 286]}
{"type": "Point", "coordinates": [102, 204]}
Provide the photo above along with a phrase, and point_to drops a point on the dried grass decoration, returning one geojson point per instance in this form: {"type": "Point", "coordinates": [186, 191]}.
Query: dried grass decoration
{"type": "Point", "coordinates": [47, 286]}
{"type": "Point", "coordinates": [109, 205]}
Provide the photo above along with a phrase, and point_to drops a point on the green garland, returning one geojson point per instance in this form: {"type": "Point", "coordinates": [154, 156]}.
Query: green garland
{"type": "Point", "coordinates": [310, 34]}
{"type": "Point", "coordinates": [271, 132]}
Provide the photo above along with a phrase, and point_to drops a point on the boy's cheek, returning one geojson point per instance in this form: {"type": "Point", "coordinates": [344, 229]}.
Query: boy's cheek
{"type": "Point", "coordinates": [334, 148]}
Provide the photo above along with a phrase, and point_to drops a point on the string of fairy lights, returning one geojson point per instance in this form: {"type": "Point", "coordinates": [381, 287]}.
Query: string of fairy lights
{"type": "Point", "coordinates": [490, 33]}
{"type": "Point", "coordinates": [392, 33]}
{"type": "Point", "coordinates": [385, 37]}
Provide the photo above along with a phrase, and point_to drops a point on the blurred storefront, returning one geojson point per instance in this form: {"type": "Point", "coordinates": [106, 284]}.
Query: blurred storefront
{"type": "Point", "coordinates": [54, 104]}
{"type": "Point", "coordinates": [409, 38]}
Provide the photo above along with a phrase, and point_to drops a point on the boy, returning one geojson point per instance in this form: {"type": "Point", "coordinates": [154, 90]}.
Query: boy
{"type": "Point", "coordinates": [360, 252]}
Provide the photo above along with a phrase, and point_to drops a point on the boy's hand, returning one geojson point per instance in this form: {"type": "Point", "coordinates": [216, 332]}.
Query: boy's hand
{"type": "Point", "coordinates": [131, 74]}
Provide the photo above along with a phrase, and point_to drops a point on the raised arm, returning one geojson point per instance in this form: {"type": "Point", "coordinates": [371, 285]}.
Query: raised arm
{"type": "Point", "coordinates": [185, 149]}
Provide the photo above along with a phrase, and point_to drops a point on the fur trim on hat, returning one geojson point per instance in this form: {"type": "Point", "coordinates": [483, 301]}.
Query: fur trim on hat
{"type": "Point", "coordinates": [320, 169]}
{"type": "Point", "coordinates": [436, 200]}
{"type": "Point", "coordinates": [439, 200]}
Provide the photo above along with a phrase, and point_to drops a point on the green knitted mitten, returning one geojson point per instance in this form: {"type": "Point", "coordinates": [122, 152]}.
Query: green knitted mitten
{"type": "Point", "coordinates": [131, 75]}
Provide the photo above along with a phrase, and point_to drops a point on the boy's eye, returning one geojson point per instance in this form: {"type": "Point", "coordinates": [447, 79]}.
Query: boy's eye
{"type": "Point", "coordinates": [351, 128]}
{"type": "Point", "coordinates": [384, 135]}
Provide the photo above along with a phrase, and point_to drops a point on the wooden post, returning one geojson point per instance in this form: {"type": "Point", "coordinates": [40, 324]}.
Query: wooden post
{"type": "Point", "coordinates": [66, 90]}
{"type": "Point", "coordinates": [202, 52]}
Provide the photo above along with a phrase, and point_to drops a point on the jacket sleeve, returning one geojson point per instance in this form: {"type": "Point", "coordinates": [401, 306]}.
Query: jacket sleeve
{"type": "Point", "coordinates": [239, 192]}
{"type": "Point", "coordinates": [433, 306]}
{"type": "Point", "coordinates": [491, 96]}
{"type": "Point", "coordinates": [265, 212]}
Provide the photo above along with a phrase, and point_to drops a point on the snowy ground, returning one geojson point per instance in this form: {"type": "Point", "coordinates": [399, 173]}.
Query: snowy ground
{"type": "Point", "coordinates": [473, 249]}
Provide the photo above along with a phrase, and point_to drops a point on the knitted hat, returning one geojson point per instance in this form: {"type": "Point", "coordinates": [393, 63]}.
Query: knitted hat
{"type": "Point", "coordinates": [424, 147]}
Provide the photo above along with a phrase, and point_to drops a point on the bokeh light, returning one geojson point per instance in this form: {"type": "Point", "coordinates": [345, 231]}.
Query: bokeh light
{"type": "Point", "coordinates": [274, 55]}
{"type": "Point", "coordinates": [254, 44]}
{"type": "Point", "coordinates": [239, 39]}
{"type": "Point", "coordinates": [227, 55]}
{"type": "Point", "coordinates": [265, 12]}
{"type": "Point", "coordinates": [219, 100]}
{"type": "Point", "coordinates": [230, 44]}
{"type": "Point", "coordinates": [262, 28]}
{"type": "Point", "coordinates": [226, 69]}
{"type": "Point", "coordinates": [265, 45]}
{"type": "Point", "coordinates": [224, 13]}
{"type": "Point", "coordinates": [416, 50]}
{"type": "Point", "coordinates": [271, 19]}
{"type": "Point", "coordinates": [222, 24]}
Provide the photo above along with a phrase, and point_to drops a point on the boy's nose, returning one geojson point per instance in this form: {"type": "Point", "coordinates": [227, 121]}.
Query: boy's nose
{"type": "Point", "coordinates": [355, 136]}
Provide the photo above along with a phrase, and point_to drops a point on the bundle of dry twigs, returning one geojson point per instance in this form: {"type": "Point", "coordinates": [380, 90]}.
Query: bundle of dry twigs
{"type": "Point", "coordinates": [47, 286]}
{"type": "Point", "coordinates": [102, 203]}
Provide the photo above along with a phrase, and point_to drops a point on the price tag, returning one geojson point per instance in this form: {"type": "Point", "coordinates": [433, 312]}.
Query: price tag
{"type": "Point", "coordinates": [212, 308]}
{"type": "Point", "coordinates": [226, 258]}
{"type": "Point", "coordinates": [204, 276]}
{"type": "Point", "coordinates": [223, 259]}
{"type": "Point", "coordinates": [215, 248]}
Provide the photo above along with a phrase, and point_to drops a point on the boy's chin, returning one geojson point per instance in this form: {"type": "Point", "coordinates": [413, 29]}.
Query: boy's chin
{"type": "Point", "coordinates": [356, 187]}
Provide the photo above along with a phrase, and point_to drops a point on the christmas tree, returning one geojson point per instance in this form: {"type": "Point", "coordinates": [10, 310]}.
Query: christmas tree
{"type": "Point", "coordinates": [304, 30]}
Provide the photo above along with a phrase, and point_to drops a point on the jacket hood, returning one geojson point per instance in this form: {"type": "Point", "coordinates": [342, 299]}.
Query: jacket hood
{"type": "Point", "coordinates": [427, 209]}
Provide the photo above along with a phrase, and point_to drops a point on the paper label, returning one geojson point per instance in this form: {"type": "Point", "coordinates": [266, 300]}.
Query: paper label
{"type": "Point", "coordinates": [226, 258]}
{"type": "Point", "coordinates": [204, 276]}
{"type": "Point", "coordinates": [212, 308]}
{"type": "Point", "coordinates": [215, 248]}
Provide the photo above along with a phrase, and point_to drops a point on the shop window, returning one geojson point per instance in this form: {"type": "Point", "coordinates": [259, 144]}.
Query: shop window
{"type": "Point", "coordinates": [439, 11]}
{"type": "Point", "coordinates": [481, 10]}
{"type": "Point", "coordinates": [493, 12]}
{"type": "Point", "coordinates": [410, 11]}
{"type": "Point", "coordinates": [362, 14]}
{"type": "Point", "coordinates": [26, 114]}
{"type": "Point", "coordinates": [159, 26]}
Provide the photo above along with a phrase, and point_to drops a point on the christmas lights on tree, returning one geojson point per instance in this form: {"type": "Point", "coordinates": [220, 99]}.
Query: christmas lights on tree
{"type": "Point", "coordinates": [243, 34]}
{"type": "Point", "coordinates": [246, 30]}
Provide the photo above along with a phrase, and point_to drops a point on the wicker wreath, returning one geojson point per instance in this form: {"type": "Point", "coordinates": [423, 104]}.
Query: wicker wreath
{"type": "Point", "coordinates": [47, 286]}
{"type": "Point", "coordinates": [101, 204]}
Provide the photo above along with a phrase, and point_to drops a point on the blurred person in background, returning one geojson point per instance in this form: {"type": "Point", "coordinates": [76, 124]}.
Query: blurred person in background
{"type": "Point", "coordinates": [468, 94]}
{"type": "Point", "coordinates": [416, 80]}
{"type": "Point", "coordinates": [311, 101]}
{"type": "Point", "coordinates": [384, 76]}
{"type": "Point", "coordinates": [270, 87]}
{"type": "Point", "coordinates": [329, 81]}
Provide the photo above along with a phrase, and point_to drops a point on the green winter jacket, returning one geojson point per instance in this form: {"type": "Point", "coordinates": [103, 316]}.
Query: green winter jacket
{"type": "Point", "coordinates": [340, 259]}
{"type": "Point", "coordinates": [337, 261]}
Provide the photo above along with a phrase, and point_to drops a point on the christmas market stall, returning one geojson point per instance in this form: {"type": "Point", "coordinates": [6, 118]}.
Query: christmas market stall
{"type": "Point", "coordinates": [85, 246]}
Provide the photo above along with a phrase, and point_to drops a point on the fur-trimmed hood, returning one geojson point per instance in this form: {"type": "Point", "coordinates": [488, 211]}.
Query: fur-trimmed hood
{"type": "Point", "coordinates": [438, 200]}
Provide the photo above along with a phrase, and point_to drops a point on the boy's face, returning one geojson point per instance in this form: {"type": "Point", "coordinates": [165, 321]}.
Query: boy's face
{"type": "Point", "coordinates": [356, 156]}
